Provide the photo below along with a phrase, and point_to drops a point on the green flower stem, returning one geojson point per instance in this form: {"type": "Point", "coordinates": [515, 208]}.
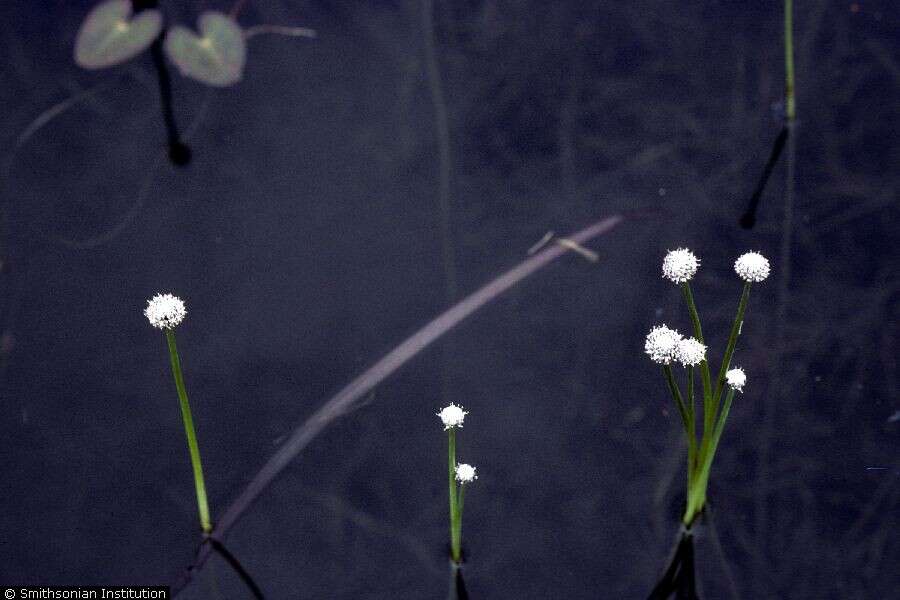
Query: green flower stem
{"type": "Point", "coordinates": [687, 417]}
{"type": "Point", "coordinates": [459, 514]}
{"type": "Point", "coordinates": [789, 100]}
{"type": "Point", "coordinates": [697, 487]}
{"type": "Point", "coordinates": [202, 504]}
{"type": "Point", "coordinates": [720, 426]}
{"type": "Point", "coordinates": [676, 395]}
{"type": "Point", "coordinates": [455, 504]}
{"type": "Point", "coordinates": [729, 349]}
{"type": "Point", "coordinates": [698, 333]}
{"type": "Point", "coordinates": [713, 422]}
{"type": "Point", "coordinates": [692, 425]}
{"type": "Point", "coordinates": [696, 499]}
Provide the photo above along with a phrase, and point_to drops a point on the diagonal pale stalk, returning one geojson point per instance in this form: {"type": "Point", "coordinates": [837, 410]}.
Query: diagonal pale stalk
{"type": "Point", "coordinates": [455, 508]}
{"type": "Point", "coordinates": [199, 484]}
{"type": "Point", "coordinates": [347, 399]}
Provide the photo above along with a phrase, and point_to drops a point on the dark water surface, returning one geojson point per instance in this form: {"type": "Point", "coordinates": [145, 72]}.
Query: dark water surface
{"type": "Point", "coordinates": [306, 238]}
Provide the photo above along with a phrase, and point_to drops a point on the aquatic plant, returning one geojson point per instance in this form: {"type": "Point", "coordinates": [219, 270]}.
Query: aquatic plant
{"type": "Point", "coordinates": [165, 312]}
{"type": "Point", "coordinates": [347, 399]}
{"type": "Point", "coordinates": [115, 31]}
{"type": "Point", "coordinates": [748, 219]}
{"type": "Point", "coordinates": [666, 346]}
{"type": "Point", "coordinates": [458, 475]}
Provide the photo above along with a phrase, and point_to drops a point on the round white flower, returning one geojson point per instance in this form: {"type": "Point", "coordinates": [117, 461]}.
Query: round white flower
{"type": "Point", "coordinates": [690, 352]}
{"type": "Point", "coordinates": [736, 379]}
{"type": "Point", "coordinates": [452, 416]}
{"type": "Point", "coordinates": [465, 473]}
{"type": "Point", "coordinates": [165, 311]}
{"type": "Point", "coordinates": [662, 344]}
{"type": "Point", "coordinates": [752, 267]}
{"type": "Point", "coordinates": [680, 265]}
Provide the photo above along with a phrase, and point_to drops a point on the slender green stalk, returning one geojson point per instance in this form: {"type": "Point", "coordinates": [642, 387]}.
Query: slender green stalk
{"type": "Point", "coordinates": [199, 484]}
{"type": "Point", "coordinates": [687, 417]}
{"type": "Point", "coordinates": [790, 102]}
{"type": "Point", "coordinates": [676, 395]}
{"type": "Point", "coordinates": [720, 426]}
{"type": "Point", "coordinates": [459, 515]}
{"type": "Point", "coordinates": [697, 491]}
{"type": "Point", "coordinates": [455, 507]}
{"type": "Point", "coordinates": [704, 365]}
{"type": "Point", "coordinates": [698, 333]}
{"type": "Point", "coordinates": [729, 349]}
{"type": "Point", "coordinates": [692, 425]}
{"type": "Point", "coordinates": [713, 422]}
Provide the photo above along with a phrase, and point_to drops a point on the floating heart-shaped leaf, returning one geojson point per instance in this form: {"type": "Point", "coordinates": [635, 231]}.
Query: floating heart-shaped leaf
{"type": "Point", "coordinates": [216, 57]}
{"type": "Point", "coordinates": [110, 36]}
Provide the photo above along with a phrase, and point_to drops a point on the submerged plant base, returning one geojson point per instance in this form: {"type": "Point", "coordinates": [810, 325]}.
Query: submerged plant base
{"type": "Point", "coordinates": [179, 153]}
{"type": "Point", "coordinates": [679, 580]}
{"type": "Point", "coordinates": [457, 583]}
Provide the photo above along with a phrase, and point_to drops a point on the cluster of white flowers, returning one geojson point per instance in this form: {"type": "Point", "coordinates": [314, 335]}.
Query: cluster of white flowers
{"type": "Point", "coordinates": [690, 352]}
{"type": "Point", "coordinates": [752, 267]}
{"type": "Point", "coordinates": [165, 311]}
{"type": "Point", "coordinates": [665, 345]}
{"type": "Point", "coordinates": [736, 379]}
{"type": "Point", "coordinates": [662, 344]}
{"type": "Point", "coordinates": [452, 416]}
{"type": "Point", "coordinates": [680, 265]}
{"type": "Point", "coordinates": [465, 473]}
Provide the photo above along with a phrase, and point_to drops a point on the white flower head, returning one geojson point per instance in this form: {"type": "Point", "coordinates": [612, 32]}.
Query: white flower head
{"type": "Point", "coordinates": [690, 352]}
{"type": "Point", "coordinates": [752, 267]}
{"type": "Point", "coordinates": [736, 379]}
{"type": "Point", "coordinates": [662, 344]}
{"type": "Point", "coordinates": [165, 311]}
{"type": "Point", "coordinates": [452, 416]}
{"type": "Point", "coordinates": [465, 473]}
{"type": "Point", "coordinates": [680, 265]}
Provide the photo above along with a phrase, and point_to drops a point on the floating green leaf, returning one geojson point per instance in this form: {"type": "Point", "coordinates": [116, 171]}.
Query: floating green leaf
{"type": "Point", "coordinates": [110, 36]}
{"type": "Point", "coordinates": [215, 57]}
